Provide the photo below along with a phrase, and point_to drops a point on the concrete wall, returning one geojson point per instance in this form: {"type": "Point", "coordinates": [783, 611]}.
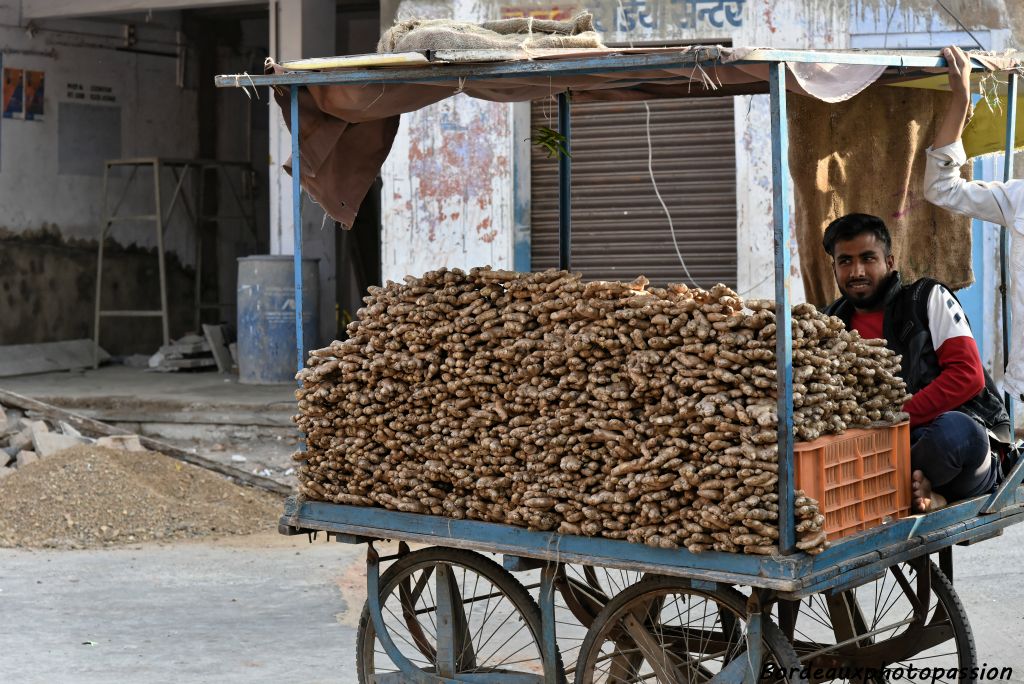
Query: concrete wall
{"type": "Point", "coordinates": [157, 118]}
{"type": "Point", "coordinates": [51, 202]}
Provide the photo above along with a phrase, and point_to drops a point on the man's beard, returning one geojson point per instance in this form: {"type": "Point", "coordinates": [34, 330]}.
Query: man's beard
{"type": "Point", "coordinates": [872, 301]}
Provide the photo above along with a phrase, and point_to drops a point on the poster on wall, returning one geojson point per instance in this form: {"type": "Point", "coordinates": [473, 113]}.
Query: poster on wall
{"type": "Point", "coordinates": [34, 81]}
{"type": "Point", "coordinates": [14, 94]}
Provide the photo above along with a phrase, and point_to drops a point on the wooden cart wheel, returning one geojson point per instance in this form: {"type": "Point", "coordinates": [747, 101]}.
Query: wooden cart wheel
{"type": "Point", "coordinates": [586, 589]}
{"type": "Point", "coordinates": [663, 630]}
{"type": "Point", "coordinates": [494, 629]}
{"type": "Point", "coordinates": [911, 616]}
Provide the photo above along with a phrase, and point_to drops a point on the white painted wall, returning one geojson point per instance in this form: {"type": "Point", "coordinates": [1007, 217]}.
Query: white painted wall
{"type": "Point", "coordinates": [447, 198]}
{"type": "Point", "coordinates": [157, 119]}
{"type": "Point", "coordinates": [447, 194]}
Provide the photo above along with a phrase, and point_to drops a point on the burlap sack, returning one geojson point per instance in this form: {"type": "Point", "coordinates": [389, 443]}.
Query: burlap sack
{"type": "Point", "coordinates": [867, 155]}
{"type": "Point", "coordinates": [417, 35]}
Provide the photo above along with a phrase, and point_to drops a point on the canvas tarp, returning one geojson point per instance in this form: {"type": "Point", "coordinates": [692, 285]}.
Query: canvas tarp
{"type": "Point", "coordinates": [866, 155]}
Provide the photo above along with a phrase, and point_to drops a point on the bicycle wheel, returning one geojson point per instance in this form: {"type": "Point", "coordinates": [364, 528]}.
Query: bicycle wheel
{"type": "Point", "coordinates": [662, 630]}
{"type": "Point", "coordinates": [911, 616]}
{"type": "Point", "coordinates": [495, 626]}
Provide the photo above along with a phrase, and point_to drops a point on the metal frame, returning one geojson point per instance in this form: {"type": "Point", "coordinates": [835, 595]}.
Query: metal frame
{"type": "Point", "coordinates": [790, 575]}
{"type": "Point", "coordinates": [906, 62]}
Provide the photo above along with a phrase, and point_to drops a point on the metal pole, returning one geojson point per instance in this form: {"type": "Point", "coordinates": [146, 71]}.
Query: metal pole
{"type": "Point", "coordinates": [1004, 239]}
{"type": "Point", "coordinates": [549, 639]}
{"type": "Point", "coordinates": [99, 271]}
{"type": "Point", "coordinates": [297, 220]}
{"type": "Point", "coordinates": [564, 186]}
{"type": "Point", "coordinates": [783, 312]}
{"type": "Point", "coordinates": [164, 314]}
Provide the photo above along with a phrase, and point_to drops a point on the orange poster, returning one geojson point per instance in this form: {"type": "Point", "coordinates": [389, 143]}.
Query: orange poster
{"type": "Point", "coordinates": [14, 94]}
{"type": "Point", "coordinates": [34, 81]}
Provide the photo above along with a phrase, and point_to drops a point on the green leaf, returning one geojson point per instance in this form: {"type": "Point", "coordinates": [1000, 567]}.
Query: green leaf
{"type": "Point", "coordinates": [551, 141]}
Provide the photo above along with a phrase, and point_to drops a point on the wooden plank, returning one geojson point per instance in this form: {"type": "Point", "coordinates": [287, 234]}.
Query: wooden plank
{"type": "Point", "coordinates": [278, 419]}
{"type": "Point", "coordinates": [91, 427]}
{"type": "Point", "coordinates": [46, 357]}
{"type": "Point", "coordinates": [845, 577]}
{"type": "Point", "coordinates": [761, 571]}
{"type": "Point", "coordinates": [357, 61]}
{"type": "Point", "coordinates": [215, 338]}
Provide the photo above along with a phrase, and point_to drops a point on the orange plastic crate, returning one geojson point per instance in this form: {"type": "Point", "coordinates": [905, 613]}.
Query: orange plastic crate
{"type": "Point", "coordinates": [860, 477]}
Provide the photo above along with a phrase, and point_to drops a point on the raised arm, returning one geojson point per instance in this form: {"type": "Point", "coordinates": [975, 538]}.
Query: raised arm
{"type": "Point", "coordinates": [952, 125]}
{"type": "Point", "coordinates": [943, 185]}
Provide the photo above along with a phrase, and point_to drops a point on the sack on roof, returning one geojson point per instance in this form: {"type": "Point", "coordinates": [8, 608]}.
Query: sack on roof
{"type": "Point", "coordinates": [416, 35]}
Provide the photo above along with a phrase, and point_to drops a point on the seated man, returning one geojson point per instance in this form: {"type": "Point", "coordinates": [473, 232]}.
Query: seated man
{"type": "Point", "coordinates": [954, 409]}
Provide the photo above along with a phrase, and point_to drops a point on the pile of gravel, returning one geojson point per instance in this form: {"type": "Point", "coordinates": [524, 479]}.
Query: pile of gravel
{"type": "Point", "coordinates": [89, 496]}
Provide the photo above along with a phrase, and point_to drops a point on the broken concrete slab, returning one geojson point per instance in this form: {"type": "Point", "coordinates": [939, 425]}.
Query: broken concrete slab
{"type": "Point", "coordinates": [122, 442]}
{"type": "Point", "coordinates": [3, 419]}
{"type": "Point", "coordinates": [37, 426]}
{"type": "Point", "coordinates": [26, 457]}
{"type": "Point", "coordinates": [49, 443]}
{"type": "Point", "coordinates": [22, 359]}
{"type": "Point", "coordinates": [20, 440]}
{"type": "Point", "coordinates": [4, 472]}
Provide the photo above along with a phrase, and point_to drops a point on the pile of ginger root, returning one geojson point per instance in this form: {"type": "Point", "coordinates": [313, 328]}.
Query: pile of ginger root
{"type": "Point", "coordinates": [588, 408]}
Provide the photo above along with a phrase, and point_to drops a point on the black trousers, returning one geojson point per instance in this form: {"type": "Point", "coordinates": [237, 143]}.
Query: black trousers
{"type": "Point", "coordinates": [953, 453]}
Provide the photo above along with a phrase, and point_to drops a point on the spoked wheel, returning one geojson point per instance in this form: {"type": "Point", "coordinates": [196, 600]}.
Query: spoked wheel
{"type": "Point", "coordinates": [909, 617]}
{"type": "Point", "coordinates": [451, 612]}
{"type": "Point", "coordinates": [582, 593]}
{"type": "Point", "coordinates": [662, 630]}
{"type": "Point", "coordinates": [586, 589]}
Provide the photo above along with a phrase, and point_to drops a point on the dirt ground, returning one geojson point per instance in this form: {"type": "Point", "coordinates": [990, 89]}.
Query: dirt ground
{"type": "Point", "coordinates": [87, 496]}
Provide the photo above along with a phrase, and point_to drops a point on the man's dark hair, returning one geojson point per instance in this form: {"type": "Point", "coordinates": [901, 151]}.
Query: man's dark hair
{"type": "Point", "coordinates": [850, 226]}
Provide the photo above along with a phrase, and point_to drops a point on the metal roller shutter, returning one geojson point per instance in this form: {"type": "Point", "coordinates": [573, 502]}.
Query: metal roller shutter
{"type": "Point", "coordinates": [619, 229]}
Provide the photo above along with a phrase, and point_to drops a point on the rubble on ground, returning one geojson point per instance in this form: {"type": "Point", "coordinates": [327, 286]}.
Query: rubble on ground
{"type": "Point", "coordinates": [61, 489]}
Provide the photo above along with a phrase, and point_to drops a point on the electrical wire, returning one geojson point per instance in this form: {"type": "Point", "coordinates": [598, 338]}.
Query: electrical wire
{"type": "Point", "coordinates": [654, 184]}
{"type": "Point", "coordinates": [957, 20]}
{"type": "Point", "coordinates": [654, 181]}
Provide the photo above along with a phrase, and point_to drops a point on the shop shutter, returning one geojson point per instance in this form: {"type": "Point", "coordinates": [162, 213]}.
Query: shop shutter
{"type": "Point", "coordinates": [619, 229]}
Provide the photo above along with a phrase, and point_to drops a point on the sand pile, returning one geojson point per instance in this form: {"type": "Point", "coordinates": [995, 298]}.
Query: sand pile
{"type": "Point", "coordinates": [88, 496]}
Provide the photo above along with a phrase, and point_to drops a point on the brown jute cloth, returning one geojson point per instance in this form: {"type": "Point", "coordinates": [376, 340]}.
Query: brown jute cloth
{"type": "Point", "coordinates": [446, 34]}
{"type": "Point", "coordinates": [867, 155]}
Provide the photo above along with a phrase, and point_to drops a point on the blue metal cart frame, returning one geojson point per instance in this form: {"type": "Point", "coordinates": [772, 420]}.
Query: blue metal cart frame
{"type": "Point", "coordinates": [788, 576]}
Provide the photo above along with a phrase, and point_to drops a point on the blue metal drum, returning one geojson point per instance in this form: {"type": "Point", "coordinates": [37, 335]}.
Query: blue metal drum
{"type": "Point", "coordinates": [266, 317]}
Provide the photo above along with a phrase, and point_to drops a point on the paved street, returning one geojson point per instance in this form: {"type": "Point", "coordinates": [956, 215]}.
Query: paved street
{"type": "Point", "coordinates": [274, 609]}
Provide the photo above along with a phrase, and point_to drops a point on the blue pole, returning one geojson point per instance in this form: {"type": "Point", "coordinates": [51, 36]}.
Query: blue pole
{"type": "Point", "coordinates": [1004, 240]}
{"type": "Point", "coordinates": [783, 311]}
{"type": "Point", "coordinates": [297, 220]}
{"type": "Point", "coordinates": [564, 186]}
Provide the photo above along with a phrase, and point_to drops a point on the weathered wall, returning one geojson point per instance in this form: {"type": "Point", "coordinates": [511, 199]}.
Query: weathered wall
{"type": "Point", "coordinates": [48, 285]}
{"type": "Point", "coordinates": [448, 191]}
{"type": "Point", "coordinates": [51, 203]}
{"type": "Point", "coordinates": [157, 118]}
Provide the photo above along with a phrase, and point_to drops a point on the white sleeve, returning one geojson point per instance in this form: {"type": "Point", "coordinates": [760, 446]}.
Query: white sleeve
{"type": "Point", "coordinates": [943, 186]}
{"type": "Point", "coordinates": [946, 318]}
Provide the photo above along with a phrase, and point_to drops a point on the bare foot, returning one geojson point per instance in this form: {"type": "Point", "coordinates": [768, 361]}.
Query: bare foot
{"type": "Point", "coordinates": [924, 499]}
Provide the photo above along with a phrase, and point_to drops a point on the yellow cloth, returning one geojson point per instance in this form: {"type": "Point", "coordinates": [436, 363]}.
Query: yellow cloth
{"type": "Point", "coordinates": [985, 133]}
